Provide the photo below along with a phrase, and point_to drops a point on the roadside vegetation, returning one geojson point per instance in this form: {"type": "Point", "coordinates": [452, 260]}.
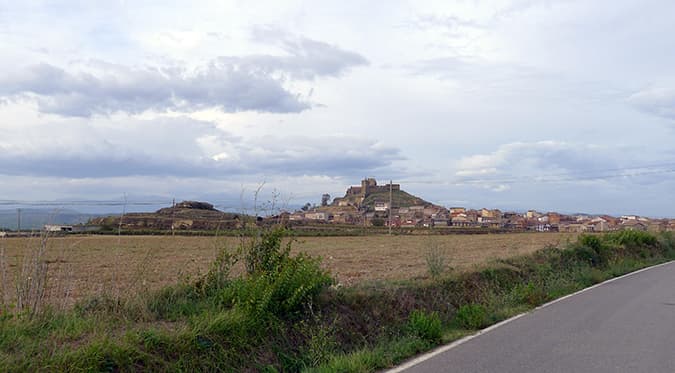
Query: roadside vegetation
{"type": "Point", "coordinates": [286, 313]}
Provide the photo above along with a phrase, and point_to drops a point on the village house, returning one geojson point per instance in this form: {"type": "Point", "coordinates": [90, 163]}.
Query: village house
{"type": "Point", "coordinates": [660, 225]}
{"type": "Point", "coordinates": [410, 223]}
{"type": "Point", "coordinates": [381, 206]}
{"type": "Point", "coordinates": [532, 214]}
{"type": "Point", "coordinates": [440, 222]}
{"type": "Point", "coordinates": [57, 228]}
{"type": "Point", "coordinates": [572, 227]}
{"type": "Point", "coordinates": [600, 224]}
{"type": "Point", "coordinates": [317, 215]}
{"type": "Point", "coordinates": [513, 220]}
{"type": "Point", "coordinates": [433, 211]}
{"type": "Point", "coordinates": [461, 220]}
{"type": "Point", "coordinates": [493, 214]}
{"type": "Point", "coordinates": [553, 218]}
{"type": "Point", "coordinates": [633, 225]}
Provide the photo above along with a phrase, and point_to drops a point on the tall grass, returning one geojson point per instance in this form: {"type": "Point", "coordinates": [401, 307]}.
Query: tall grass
{"type": "Point", "coordinates": [4, 291]}
{"type": "Point", "coordinates": [436, 260]}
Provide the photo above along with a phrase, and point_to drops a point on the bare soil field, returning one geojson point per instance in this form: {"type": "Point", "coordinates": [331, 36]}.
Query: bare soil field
{"type": "Point", "coordinates": [82, 266]}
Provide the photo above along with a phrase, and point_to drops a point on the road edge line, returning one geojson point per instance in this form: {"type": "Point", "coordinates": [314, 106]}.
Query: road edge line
{"type": "Point", "coordinates": [444, 348]}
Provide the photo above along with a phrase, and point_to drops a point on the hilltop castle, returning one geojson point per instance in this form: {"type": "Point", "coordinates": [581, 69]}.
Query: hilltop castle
{"type": "Point", "coordinates": [356, 194]}
{"type": "Point", "coordinates": [369, 186]}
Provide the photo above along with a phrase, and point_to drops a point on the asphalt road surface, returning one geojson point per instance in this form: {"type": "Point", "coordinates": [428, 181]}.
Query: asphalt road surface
{"type": "Point", "coordinates": [627, 325]}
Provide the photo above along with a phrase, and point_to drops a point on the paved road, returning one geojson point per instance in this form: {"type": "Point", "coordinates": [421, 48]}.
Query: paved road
{"type": "Point", "coordinates": [627, 325]}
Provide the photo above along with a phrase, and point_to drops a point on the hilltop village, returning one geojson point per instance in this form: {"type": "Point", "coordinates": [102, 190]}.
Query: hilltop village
{"type": "Point", "coordinates": [371, 204]}
{"type": "Point", "coordinates": [368, 205]}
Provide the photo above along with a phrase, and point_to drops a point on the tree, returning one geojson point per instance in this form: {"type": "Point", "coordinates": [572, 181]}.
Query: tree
{"type": "Point", "coordinates": [377, 222]}
{"type": "Point", "coordinates": [324, 199]}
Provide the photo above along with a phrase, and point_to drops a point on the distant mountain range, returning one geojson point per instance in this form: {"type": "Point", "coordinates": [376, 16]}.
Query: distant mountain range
{"type": "Point", "coordinates": [37, 218]}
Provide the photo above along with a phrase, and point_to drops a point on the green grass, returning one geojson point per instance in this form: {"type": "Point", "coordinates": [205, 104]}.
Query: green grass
{"type": "Point", "coordinates": [282, 314]}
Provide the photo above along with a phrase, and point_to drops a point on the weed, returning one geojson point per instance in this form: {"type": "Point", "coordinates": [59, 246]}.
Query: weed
{"type": "Point", "coordinates": [4, 291]}
{"type": "Point", "coordinates": [436, 260]}
{"type": "Point", "coordinates": [31, 282]}
{"type": "Point", "coordinates": [425, 325]}
{"type": "Point", "coordinates": [471, 316]}
{"type": "Point", "coordinates": [321, 344]}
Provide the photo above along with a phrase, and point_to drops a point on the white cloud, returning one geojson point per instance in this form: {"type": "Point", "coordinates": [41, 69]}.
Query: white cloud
{"type": "Point", "coordinates": [659, 101]}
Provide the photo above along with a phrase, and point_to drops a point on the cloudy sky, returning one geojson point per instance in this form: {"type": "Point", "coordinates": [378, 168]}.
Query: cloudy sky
{"type": "Point", "coordinates": [551, 105]}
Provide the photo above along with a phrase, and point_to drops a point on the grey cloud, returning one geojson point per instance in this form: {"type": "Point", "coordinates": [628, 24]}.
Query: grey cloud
{"type": "Point", "coordinates": [180, 147]}
{"type": "Point", "coordinates": [544, 160]}
{"type": "Point", "coordinates": [659, 101]}
{"type": "Point", "coordinates": [306, 59]}
{"type": "Point", "coordinates": [249, 83]}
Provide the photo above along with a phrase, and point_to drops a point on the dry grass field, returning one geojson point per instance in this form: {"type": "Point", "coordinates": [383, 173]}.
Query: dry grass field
{"type": "Point", "coordinates": [88, 265]}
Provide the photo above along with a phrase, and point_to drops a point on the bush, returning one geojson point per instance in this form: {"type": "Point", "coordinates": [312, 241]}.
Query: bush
{"type": "Point", "coordinates": [531, 293]}
{"type": "Point", "coordinates": [667, 243]}
{"type": "Point", "coordinates": [632, 239]}
{"type": "Point", "coordinates": [276, 283]}
{"type": "Point", "coordinates": [471, 316]}
{"type": "Point", "coordinates": [377, 222]}
{"type": "Point", "coordinates": [283, 291]}
{"type": "Point", "coordinates": [592, 250]}
{"type": "Point", "coordinates": [427, 326]}
{"type": "Point", "coordinates": [264, 253]}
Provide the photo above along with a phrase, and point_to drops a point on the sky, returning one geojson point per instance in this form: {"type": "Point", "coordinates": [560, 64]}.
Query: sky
{"type": "Point", "coordinates": [517, 104]}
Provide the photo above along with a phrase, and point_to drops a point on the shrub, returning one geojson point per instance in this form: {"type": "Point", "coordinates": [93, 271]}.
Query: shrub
{"type": "Point", "coordinates": [531, 293]}
{"type": "Point", "coordinates": [282, 291]}
{"type": "Point", "coordinates": [471, 316]}
{"type": "Point", "coordinates": [592, 276]}
{"type": "Point", "coordinates": [264, 252]}
{"type": "Point", "coordinates": [667, 243]}
{"type": "Point", "coordinates": [592, 250]}
{"type": "Point", "coordinates": [321, 343]}
{"type": "Point", "coordinates": [276, 284]}
{"type": "Point", "coordinates": [632, 239]}
{"type": "Point", "coordinates": [377, 222]}
{"type": "Point", "coordinates": [427, 326]}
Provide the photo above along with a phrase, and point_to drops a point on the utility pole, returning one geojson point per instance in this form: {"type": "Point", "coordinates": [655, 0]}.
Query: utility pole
{"type": "Point", "coordinates": [18, 220]}
{"type": "Point", "coordinates": [391, 186]}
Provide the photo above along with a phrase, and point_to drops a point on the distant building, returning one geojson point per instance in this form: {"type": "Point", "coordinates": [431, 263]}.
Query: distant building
{"type": "Point", "coordinates": [381, 206]}
{"type": "Point", "coordinates": [440, 222]}
{"type": "Point", "coordinates": [296, 216]}
{"type": "Point", "coordinates": [316, 215]}
{"type": "Point", "coordinates": [457, 210]}
{"type": "Point", "coordinates": [553, 218]}
{"type": "Point", "coordinates": [633, 225]}
{"type": "Point", "coordinates": [58, 228]}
